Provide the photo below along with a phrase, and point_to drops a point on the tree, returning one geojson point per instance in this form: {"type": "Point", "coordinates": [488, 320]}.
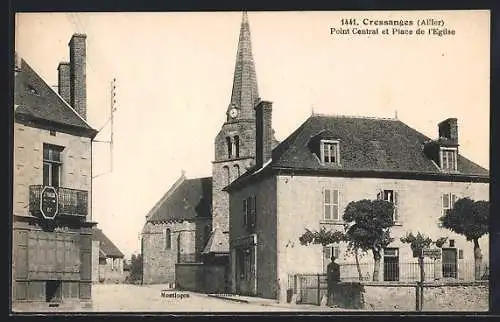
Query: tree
{"type": "Point", "coordinates": [417, 243]}
{"type": "Point", "coordinates": [323, 237]}
{"type": "Point", "coordinates": [368, 224]}
{"type": "Point", "coordinates": [469, 218]}
{"type": "Point", "coordinates": [135, 268]}
{"type": "Point", "coordinates": [326, 237]}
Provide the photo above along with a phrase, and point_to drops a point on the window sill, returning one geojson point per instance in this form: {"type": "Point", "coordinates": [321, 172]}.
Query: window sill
{"type": "Point", "coordinates": [397, 223]}
{"type": "Point", "coordinates": [331, 222]}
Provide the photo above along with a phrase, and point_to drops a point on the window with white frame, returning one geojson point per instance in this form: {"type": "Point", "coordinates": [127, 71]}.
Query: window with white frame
{"type": "Point", "coordinates": [391, 196]}
{"type": "Point", "coordinates": [448, 158]}
{"type": "Point", "coordinates": [330, 153]}
{"type": "Point", "coordinates": [331, 207]}
{"type": "Point", "coordinates": [448, 200]}
{"type": "Point", "coordinates": [331, 250]}
{"type": "Point", "coordinates": [52, 165]}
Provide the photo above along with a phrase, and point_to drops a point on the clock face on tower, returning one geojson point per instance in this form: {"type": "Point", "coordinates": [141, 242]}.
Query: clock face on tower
{"type": "Point", "coordinates": [233, 112]}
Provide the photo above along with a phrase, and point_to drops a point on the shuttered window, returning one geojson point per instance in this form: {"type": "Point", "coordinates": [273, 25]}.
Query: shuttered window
{"type": "Point", "coordinates": [331, 204]}
{"type": "Point", "coordinates": [250, 212]}
{"type": "Point", "coordinates": [448, 201]}
{"type": "Point", "coordinates": [391, 196]}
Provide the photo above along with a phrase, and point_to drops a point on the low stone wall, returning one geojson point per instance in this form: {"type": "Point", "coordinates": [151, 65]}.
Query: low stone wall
{"type": "Point", "coordinates": [200, 277]}
{"type": "Point", "coordinates": [461, 296]}
{"type": "Point", "coordinates": [398, 296]}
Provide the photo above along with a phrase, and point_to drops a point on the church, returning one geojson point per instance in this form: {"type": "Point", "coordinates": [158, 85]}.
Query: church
{"type": "Point", "coordinates": [185, 241]}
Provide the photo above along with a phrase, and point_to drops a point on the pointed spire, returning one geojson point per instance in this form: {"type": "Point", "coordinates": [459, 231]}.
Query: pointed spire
{"type": "Point", "coordinates": [245, 91]}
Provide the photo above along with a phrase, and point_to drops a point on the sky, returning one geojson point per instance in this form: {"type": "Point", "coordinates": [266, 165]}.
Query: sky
{"type": "Point", "coordinates": [174, 76]}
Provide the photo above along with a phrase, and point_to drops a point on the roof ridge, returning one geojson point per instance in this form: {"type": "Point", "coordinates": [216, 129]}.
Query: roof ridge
{"type": "Point", "coordinates": [57, 94]}
{"type": "Point", "coordinates": [354, 116]}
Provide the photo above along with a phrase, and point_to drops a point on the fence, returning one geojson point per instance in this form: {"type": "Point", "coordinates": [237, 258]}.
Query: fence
{"type": "Point", "coordinates": [310, 288]}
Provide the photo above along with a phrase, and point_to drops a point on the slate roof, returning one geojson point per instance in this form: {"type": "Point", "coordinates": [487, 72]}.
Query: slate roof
{"type": "Point", "coordinates": [36, 101]}
{"type": "Point", "coordinates": [366, 144]}
{"type": "Point", "coordinates": [188, 199]}
{"type": "Point", "coordinates": [106, 246]}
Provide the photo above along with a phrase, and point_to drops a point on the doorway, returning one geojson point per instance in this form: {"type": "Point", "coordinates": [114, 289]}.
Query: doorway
{"type": "Point", "coordinates": [53, 291]}
{"type": "Point", "coordinates": [391, 264]}
{"type": "Point", "coordinates": [450, 262]}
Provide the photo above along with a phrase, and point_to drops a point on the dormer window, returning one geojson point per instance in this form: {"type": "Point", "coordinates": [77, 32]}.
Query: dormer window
{"type": "Point", "coordinates": [448, 158]}
{"type": "Point", "coordinates": [330, 153]}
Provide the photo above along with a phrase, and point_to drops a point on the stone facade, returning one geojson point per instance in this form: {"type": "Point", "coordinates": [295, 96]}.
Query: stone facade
{"type": "Point", "coordinates": [265, 251]}
{"type": "Point", "coordinates": [28, 163]}
{"type": "Point", "coordinates": [227, 168]}
{"type": "Point", "coordinates": [282, 200]}
{"type": "Point", "coordinates": [187, 239]}
{"type": "Point", "coordinates": [52, 246]}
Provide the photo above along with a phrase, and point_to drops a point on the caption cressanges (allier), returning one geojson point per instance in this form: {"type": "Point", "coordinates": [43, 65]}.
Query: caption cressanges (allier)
{"type": "Point", "coordinates": [434, 27]}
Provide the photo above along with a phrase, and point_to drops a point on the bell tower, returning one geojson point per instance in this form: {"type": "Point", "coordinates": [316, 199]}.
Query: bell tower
{"type": "Point", "coordinates": [235, 142]}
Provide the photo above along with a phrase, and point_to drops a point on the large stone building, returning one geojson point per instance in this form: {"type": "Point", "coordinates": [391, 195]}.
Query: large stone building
{"type": "Point", "coordinates": [52, 185]}
{"type": "Point", "coordinates": [190, 224]}
{"type": "Point", "coordinates": [329, 161]}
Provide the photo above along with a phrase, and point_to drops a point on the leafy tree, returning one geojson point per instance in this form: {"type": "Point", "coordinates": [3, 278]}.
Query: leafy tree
{"type": "Point", "coordinates": [368, 224]}
{"type": "Point", "coordinates": [417, 243]}
{"type": "Point", "coordinates": [326, 237]}
{"type": "Point", "coordinates": [135, 268]}
{"type": "Point", "coordinates": [323, 237]}
{"type": "Point", "coordinates": [469, 218]}
{"type": "Point", "coordinates": [367, 228]}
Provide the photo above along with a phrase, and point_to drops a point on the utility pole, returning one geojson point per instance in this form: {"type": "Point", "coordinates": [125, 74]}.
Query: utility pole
{"type": "Point", "coordinates": [112, 107]}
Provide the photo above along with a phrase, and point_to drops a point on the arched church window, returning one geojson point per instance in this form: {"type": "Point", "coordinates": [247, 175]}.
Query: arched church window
{"type": "Point", "coordinates": [229, 147]}
{"type": "Point", "coordinates": [236, 170]}
{"type": "Point", "coordinates": [237, 146]}
{"type": "Point", "coordinates": [227, 175]}
{"type": "Point", "coordinates": [168, 239]}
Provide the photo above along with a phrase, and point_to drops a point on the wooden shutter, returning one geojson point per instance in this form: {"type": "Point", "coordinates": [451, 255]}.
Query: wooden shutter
{"type": "Point", "coordinates": [20, 257]}
{"type": "Point", "coordinates": [453, 199]}
{"type": "Point", "coordinates": [396, 206]}
{"type": "Point", "coordinates": [327, 211]}
{"type": "Point", "coordinates": [335, 205]}
{"type": "Point", "coordinates": [86, 257]}
{"type": "Point", "coordinates": [254, 212]}
{"type": "Point", "coordinates": [245, 212]}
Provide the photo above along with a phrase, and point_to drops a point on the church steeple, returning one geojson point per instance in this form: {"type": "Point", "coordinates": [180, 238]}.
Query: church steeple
{"type": "Point", "coordinates": [245, 92]}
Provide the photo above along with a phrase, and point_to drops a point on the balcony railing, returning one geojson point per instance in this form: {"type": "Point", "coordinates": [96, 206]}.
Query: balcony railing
{"type": "Point", "coordinates": [71, 202]}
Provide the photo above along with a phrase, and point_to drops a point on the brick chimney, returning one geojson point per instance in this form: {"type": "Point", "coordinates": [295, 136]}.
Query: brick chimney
{"type": "Point", "coordinates": [63, 83]}
{"type": "Point", "coordinates": [78, 78]}
{"type": "Point", "coordinates": [264, 132]}
{"type": "Point", "coordinates": [448, 129]}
